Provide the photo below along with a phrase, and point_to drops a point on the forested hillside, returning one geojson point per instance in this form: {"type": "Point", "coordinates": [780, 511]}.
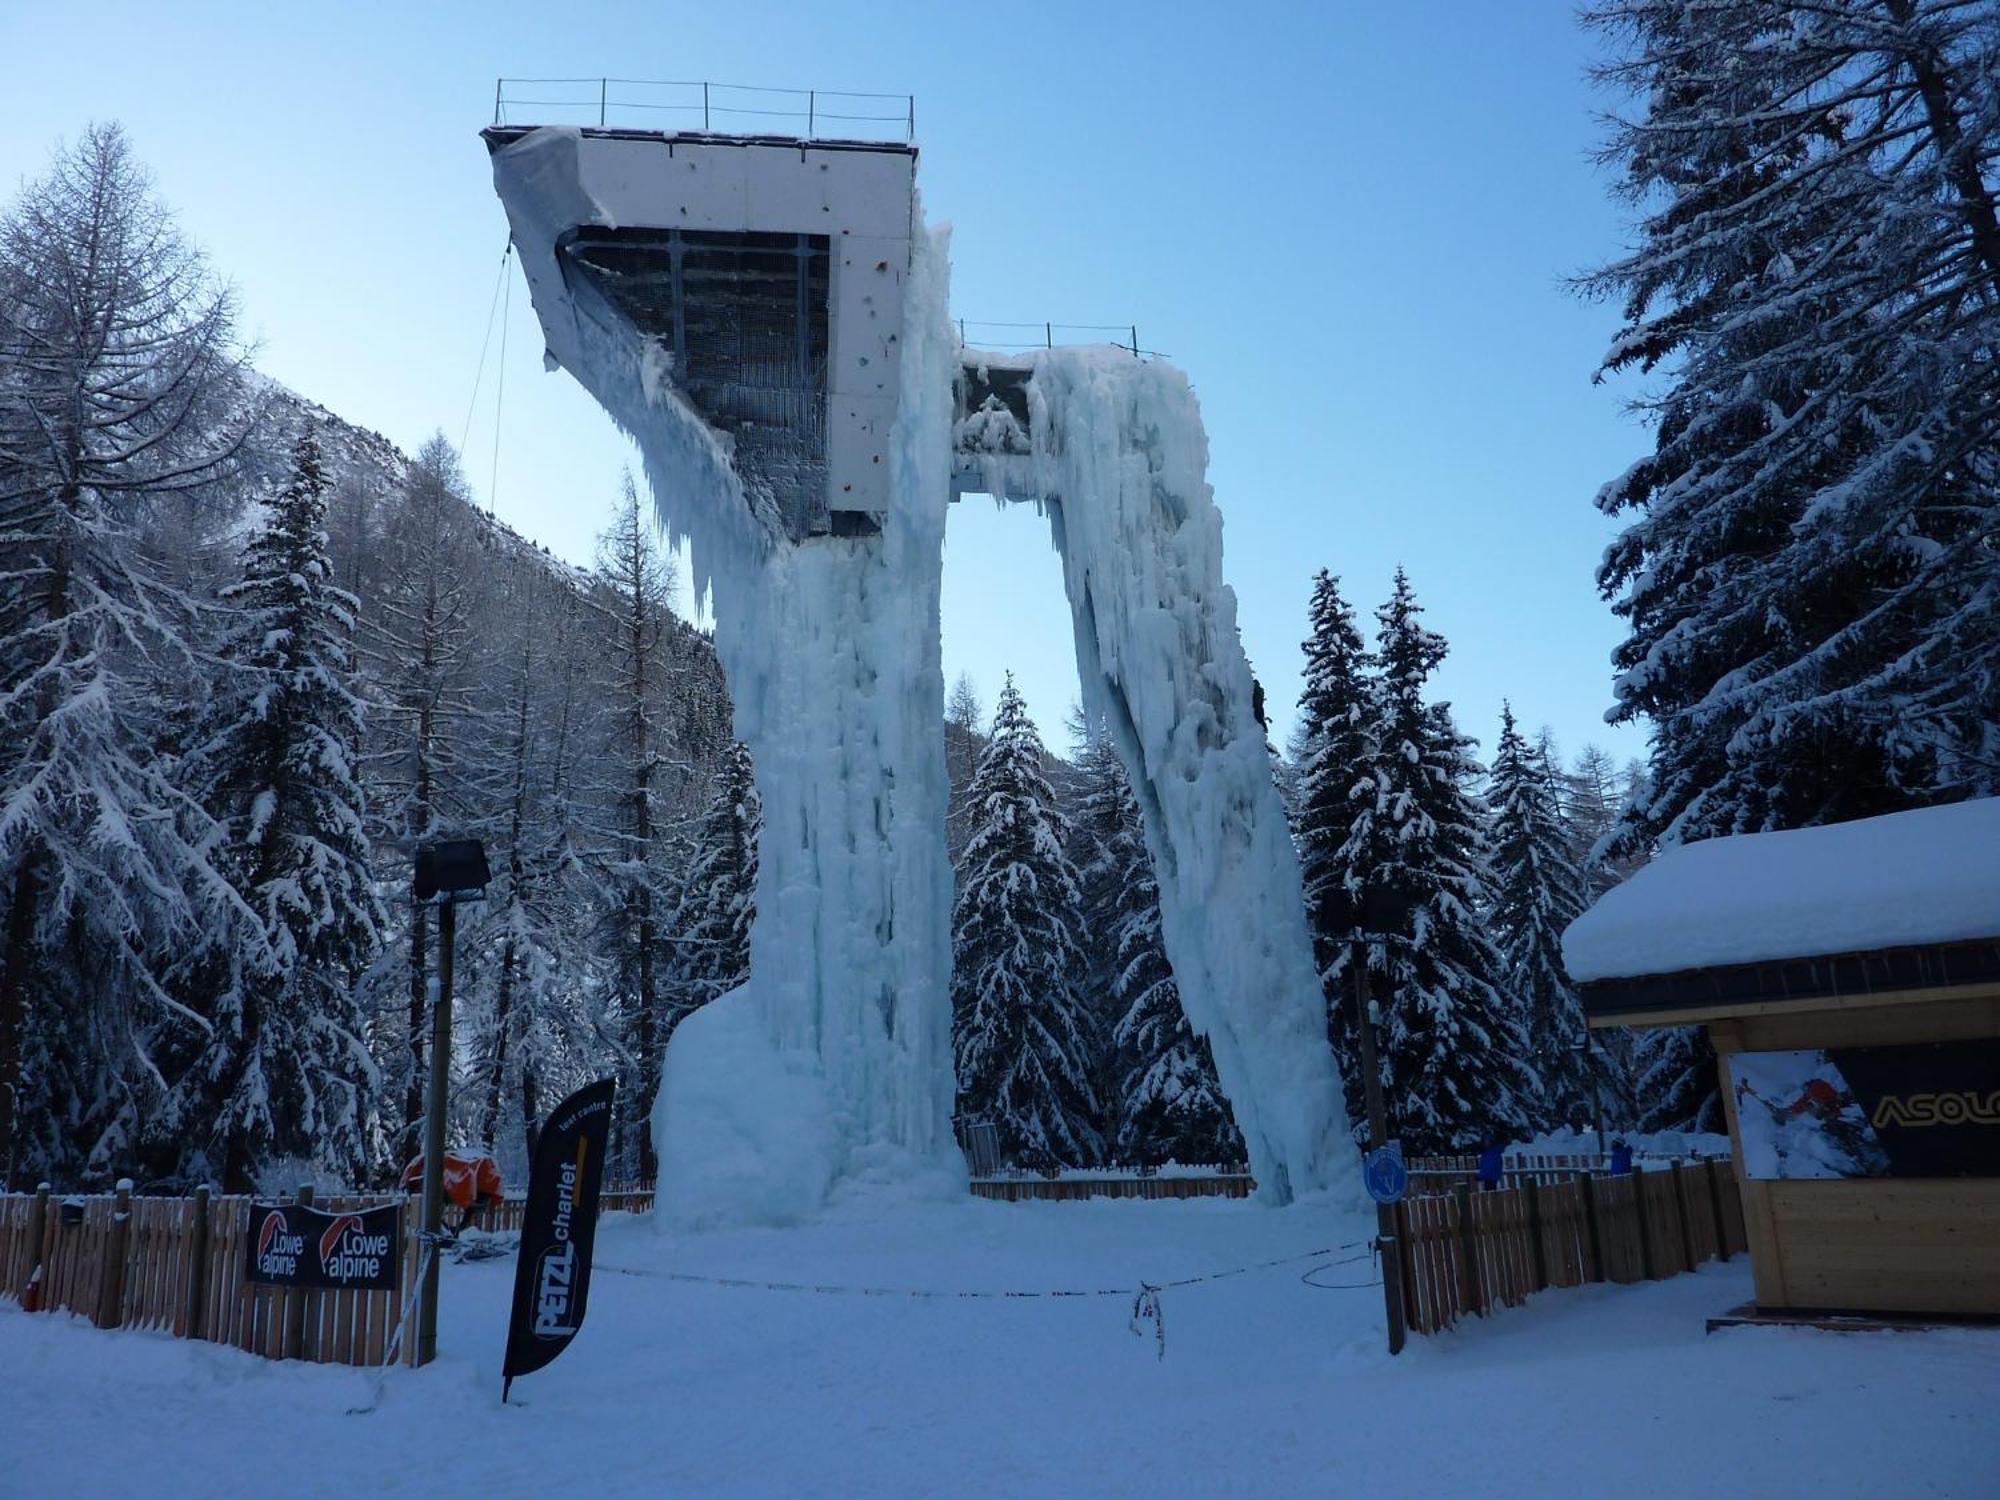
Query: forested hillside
{"type": "Point", "coordinates": [250, 656]}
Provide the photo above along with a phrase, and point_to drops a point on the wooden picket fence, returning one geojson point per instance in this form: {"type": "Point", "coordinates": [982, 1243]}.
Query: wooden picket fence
{"type": "Point", "coordinates": [1469, 1252]}
{"type": "Point", "coordinates": [177, 1265]}
{"type": "Point", "coordinates": [506, 1216]}
{"type": "Point", "coordinates": [1426, 1172]}
{"type": "Point", "coordinates": [1070, 1189]}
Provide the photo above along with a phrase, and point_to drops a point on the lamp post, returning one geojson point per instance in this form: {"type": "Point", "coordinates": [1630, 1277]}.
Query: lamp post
{"type": "Point", "coordinates": [448, 873]}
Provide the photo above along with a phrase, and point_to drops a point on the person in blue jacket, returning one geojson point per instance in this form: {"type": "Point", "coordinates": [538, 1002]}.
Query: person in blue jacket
{"type": "Point", "coordinates": [1621, 1158]}
{"type": "Point", "coordinates": [1491, 1156]}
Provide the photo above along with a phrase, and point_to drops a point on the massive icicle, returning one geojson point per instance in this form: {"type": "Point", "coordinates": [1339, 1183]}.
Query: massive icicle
{"type": "Point", "coordinates": [1119, 461]}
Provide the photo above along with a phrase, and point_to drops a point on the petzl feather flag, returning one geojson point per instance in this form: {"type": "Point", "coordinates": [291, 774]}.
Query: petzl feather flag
{"type": "Point", "coordinates": [552, 1276]}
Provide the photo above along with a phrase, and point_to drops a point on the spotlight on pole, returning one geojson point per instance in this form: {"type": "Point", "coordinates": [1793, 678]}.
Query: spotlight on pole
{"type": "Point", "coordinates": [450, 871]}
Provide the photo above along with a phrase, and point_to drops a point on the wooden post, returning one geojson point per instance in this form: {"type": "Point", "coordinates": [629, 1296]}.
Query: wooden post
{"type": "Point", "coordinates": [1681, 1214]}
{"type": "Point", "coordinates": [197, 1303]}
{"type": "Point", "coordinates": [1406, 1274]}
{"type": "Point", "coordinates": [1534, 1195]}
{"type": "Point", "coordinates": [1645, 1227]}
{"type": "Point", "coordinates": [111, 1288]}
{"type": "Point", "coordinates": [1387, 1251]}
{"type": "Point", "coordinates": [295, 1299]}
{"type": "Point", "coordinates": [440, 1081]}
{"type": "Point", "coordinates": [1593, 1232]}
{"type": "Point", "coordinates": [1715, 1206]}
{"type": "Point", "coordinates": [38, 1229]}
{"type": "Point", "coordinates": [1468, 1253]}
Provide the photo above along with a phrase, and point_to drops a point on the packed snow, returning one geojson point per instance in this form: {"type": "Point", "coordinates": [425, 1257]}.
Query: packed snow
{"type": "Point", "coordinates": [1927, 876]}
{"type": "Point", "coordinates": [1268, 1387]}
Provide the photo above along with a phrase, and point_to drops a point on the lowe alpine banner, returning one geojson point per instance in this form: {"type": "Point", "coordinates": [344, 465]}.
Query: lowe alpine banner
{"type": "Point", "coordinates": [552, 1276]}
{"type": "Point", "coordinates": [1929, 1110]}
{"type": "Point", "coordinates": [292, 1245]}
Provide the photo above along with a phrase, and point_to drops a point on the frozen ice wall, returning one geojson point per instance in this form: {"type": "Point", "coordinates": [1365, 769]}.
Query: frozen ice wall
{"type": "Point", "coordinates": [833, 1063]}
{"type": "Point", "coordinates": [1119, 459]}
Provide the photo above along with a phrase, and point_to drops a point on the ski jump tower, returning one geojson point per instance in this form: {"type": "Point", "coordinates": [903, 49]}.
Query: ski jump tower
{"type": "Point", "coordinates": [767, 317]}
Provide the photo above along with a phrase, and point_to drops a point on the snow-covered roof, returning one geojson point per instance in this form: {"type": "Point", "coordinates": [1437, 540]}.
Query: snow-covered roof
{"type": "Point", "coordinates": [1903, 880]}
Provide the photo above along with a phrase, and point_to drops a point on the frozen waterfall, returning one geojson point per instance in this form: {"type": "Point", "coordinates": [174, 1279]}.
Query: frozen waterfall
{"type": "Point", "coordinates": [832, 1065]}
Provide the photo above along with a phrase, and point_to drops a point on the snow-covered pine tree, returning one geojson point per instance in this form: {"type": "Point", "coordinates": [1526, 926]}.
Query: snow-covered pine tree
{"type": "Point", "coordinates": [1453, 1047]}
{"type": "Point", "coordinates": [425, 654]}
{"type": "Point", "coordinates": [1164, 1101]}
{"type": "Point", "coordinates": [708, 938]}
{"type": "Point", "coordinates": [1089, 799]}
{"type": "Point", "coordinates": [1536, 893]}
{"type": "Point", "coordinates": [963, 743]}
{"type": "Point", "coordinates": [639, 593]}
{"type": "Point", "coordinates": [284, 1067]}
{"type": "Point", "coordinates": [1588, 796]}
{"type": "Point", "coordinates": [118, 369]}
{"type": "Point", "coordinates": [1808, 567]}
{"type": "Point", "coordinates": [1337, 714]}
{"type": "Point", "coordinates": [1675, 1080]}
{"type": "Point", "coordinates": [1020, 1031]}
{"type": "Point", "coordinates": [1592, 802]}
{"type": "Point", "coordinates": [533, 997]}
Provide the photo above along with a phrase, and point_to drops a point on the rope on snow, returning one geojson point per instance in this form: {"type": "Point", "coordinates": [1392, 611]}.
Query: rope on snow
{"type": "Point", "coordinates": [835, 1290]}
{"type": "Point", "coordinates": [1147, 1305]}
{"type": "Point", "coordinates": [1145, 1302]}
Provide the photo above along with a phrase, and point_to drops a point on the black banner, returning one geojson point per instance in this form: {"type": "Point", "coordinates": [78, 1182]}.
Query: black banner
{"type": "Point", "coordinates": [292, 1245]}
{"type": "Point", "coordinates": [1925, 1110]}
{"type": "Point", "coordinates": [552, 1276]}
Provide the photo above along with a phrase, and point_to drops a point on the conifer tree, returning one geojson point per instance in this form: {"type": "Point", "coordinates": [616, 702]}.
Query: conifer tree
{"type": "Point", "coordinates": [1020, 1031]}
{"type": "Point", "coordinates": [639, 593]}
{"type": "Point", "coordinates": [709, 934]}
{"type": "Point", "coordinates": [1592, 802]}
{"type": "Point", "coordinates": [284, 1069]}
{"type": "Point", "coordinates": [963, 743]}
{"type": "Point", "coordinates": [1675, 1081]}
{"type": "Point", "coordinates": [535, 994]}
{"type": "Point", "coordinates": [1336, 719]}
{"type": "Point", "coordinates": [1163, 1100]}
{"type": "Point", "coordinates": [1807, 566]}
{"type": "Point", "coordinates": [1452, 1044]}
{"type": "Point", "coordinates": [425, 654]}
{"type": "Point", "coordinates": [118, 389]}
{"type": "Point", "coordinates": [1537, 892]}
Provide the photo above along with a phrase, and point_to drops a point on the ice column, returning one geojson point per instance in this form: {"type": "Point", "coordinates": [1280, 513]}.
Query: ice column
{"type": "Point", "coordinates": [1120, 458]}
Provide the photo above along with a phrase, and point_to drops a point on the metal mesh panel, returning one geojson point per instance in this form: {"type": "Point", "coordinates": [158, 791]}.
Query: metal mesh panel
{"type": "Point", "coordinates": [745, 315]}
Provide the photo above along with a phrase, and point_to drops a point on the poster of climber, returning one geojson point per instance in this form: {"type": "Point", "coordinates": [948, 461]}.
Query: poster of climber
{"type": "Point", "coordinates": [1918, 1111]}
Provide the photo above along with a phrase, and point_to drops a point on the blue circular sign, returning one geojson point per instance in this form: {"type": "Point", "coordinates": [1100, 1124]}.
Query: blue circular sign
{"type": "Point", "coordinates": [1384, 1175]}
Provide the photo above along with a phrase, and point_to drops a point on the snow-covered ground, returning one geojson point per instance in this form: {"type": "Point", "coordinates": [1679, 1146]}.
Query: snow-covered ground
{"type": "Point", "coordinates": [1268, 1387]}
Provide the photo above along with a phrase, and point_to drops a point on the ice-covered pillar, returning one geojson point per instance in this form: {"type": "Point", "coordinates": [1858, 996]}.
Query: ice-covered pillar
{"type": "Point", "coordinates": [769, 323]}
{"type": "Point", "coordinates": [1120, 458]}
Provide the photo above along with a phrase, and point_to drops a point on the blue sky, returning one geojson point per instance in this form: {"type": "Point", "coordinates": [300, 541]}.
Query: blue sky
{"type": "Point", "coordinates": [1350, 224]}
